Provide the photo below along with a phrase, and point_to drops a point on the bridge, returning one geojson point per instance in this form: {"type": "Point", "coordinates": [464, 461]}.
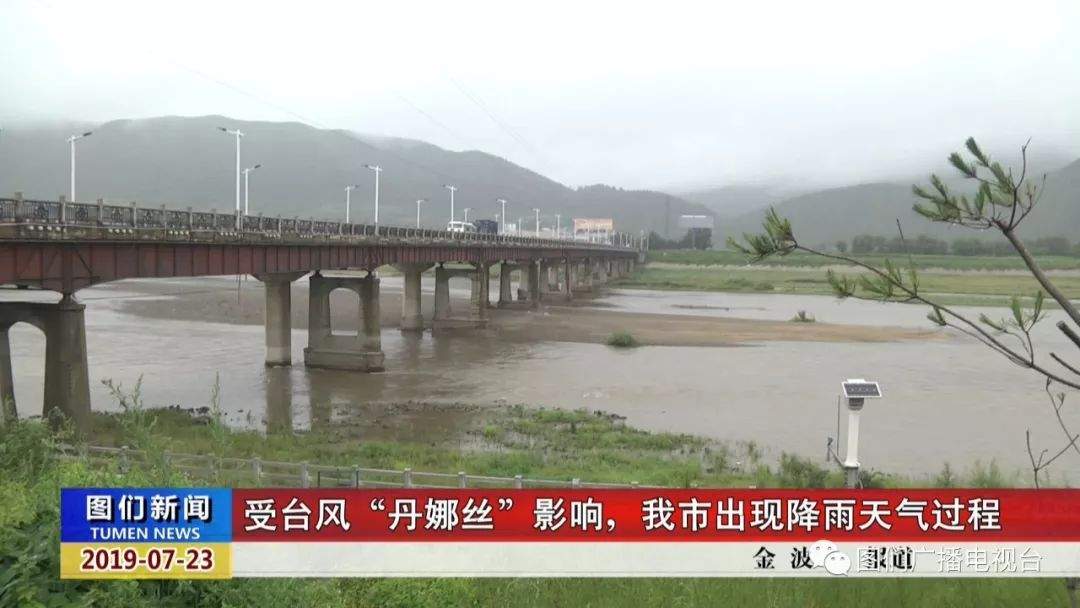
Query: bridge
{"type": "Point", "coordinates": [64, 246]}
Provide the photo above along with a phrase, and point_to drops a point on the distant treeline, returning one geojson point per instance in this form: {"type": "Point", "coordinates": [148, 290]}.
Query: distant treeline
{"type": "Point", "coordinates": [865, 243]}
{"type": "Point", "coordinates": [695, 238]}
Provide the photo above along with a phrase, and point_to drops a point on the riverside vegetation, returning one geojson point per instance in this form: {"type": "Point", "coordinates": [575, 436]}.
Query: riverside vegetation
{"type": "Point", "coordinates": [510, 440]}
{"type": "Point", "coordinates": [955, 280]}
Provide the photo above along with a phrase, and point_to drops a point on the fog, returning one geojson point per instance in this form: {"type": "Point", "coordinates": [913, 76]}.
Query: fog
{"type": "Point", "coordinates": [655, 95]}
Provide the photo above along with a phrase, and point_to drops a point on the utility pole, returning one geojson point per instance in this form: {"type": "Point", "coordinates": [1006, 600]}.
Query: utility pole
{"type": "Point", "coordinates": [238, 134]}
{"type": "Point", "coordinates": [348, 201]}
{"type": "Point", "coordinates": [72, 140]}
{"type": "Point", "coordinates": [418, 203]}
{"type": "Point", "coordinates": [377, 169]}
{"type": "Point", "coordinates": [502, 226]}
{"type": "Point", "coordinates": [452, 190]}
{"type": "Point", "coordinates": [246, 173]}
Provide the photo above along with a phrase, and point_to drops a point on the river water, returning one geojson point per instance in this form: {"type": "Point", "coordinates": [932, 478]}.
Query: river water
{"type": "Point", "coordinates": [949, 400]}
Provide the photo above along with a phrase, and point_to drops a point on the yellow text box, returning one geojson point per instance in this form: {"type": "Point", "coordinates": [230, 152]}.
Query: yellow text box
{"type": "Point", "coordinates": [145, 560]}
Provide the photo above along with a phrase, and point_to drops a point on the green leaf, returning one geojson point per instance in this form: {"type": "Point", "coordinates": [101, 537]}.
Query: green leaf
{"type": "Point", "coordinates": [1018, 314]}
{"type": "Point", "coordinates": [936, 317]}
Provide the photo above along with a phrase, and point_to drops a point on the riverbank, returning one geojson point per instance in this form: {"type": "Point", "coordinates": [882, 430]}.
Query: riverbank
{"type": "Point", "coordinates": [594, 444]}
{"type": "Point", "coordinates": [582, 321]}
{"type": "Point", "coordinates": [950, 288]}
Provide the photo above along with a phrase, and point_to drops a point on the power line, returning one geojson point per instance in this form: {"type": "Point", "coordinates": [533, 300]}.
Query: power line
{"type": "Point", "coordinates": [495, 119]}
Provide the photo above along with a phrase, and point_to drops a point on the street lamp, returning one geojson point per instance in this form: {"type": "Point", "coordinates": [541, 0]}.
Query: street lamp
{"type": "Point", "coordinates": [72, 140]}
{"type": "Point", "coordinates": [348, 201]}
{"type": "Point", "coordinates": [467, 210]}
{"type": "Point", "coordinates": [418, 203]}
{"type": "Point", "coordinates": [502, 226]}
{"type": "Point", "coordinates": [377, 169]}
{"type": "Point", "coordinates": [537, 210]}
{"type": "Point", "coordinates": [247, 172]}
{"type": "Point", "coordinates": [238, 134]}
{"type": "Point", "coordinates": [452, 190]}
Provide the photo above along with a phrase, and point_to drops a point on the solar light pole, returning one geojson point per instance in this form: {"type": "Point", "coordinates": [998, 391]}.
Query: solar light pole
{"type": "Point", "coordinates": [452, 190]}
{"type": "Point", "coordinates": [246, 173]}
{"type": "Point", "coordinates": [502, 226]}
{"type": "Point", "coordinates": [238, 134]}
{"type": "Point", "coordinates": [377, 169]}
{"type": "Point", "coordinates": [856, 392]}
{"type": "Point", "coordinates": [72, 140]}
{"type": "Point", "coordinates": [418, 203]}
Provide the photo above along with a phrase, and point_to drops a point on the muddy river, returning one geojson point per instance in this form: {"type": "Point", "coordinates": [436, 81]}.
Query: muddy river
{"type": "Point", "coordinates": [947, 399]}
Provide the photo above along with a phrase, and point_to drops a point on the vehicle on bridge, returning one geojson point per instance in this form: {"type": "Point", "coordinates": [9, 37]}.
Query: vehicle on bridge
{"type": "Point", "coordinates": [487, 226]}
{"type": "Point", "coordinates": [459, 226]}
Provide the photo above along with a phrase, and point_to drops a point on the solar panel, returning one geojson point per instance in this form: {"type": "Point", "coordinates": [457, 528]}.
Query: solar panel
{"type": "Point", "coordinates": [861, 389]}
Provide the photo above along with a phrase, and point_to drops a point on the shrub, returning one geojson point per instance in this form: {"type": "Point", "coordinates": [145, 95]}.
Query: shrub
{"type": "Point", "coordinates": [622, 339]}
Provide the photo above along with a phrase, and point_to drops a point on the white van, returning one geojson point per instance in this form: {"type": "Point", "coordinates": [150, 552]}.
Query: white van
{"type": "Point", "coordinates": [459, 226]}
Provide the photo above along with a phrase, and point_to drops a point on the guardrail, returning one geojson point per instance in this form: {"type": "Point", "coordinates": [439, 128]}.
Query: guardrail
{"type": "Point", "coordinates": [99, 215]}
{"type": "Point", "coordinates": [256, 472]}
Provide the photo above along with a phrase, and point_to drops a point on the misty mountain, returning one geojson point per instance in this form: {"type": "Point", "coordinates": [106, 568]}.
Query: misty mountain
{"type": "Point", "coordinates": [732, 201]}
{"type": "Point", "coordinates": [826, 216]}
{"type": "Point", "coordinates": [187, 161]}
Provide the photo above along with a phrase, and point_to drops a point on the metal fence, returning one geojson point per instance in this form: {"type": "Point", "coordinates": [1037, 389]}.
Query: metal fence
{"type": "Point", "coordinates": [256, 472]}
{"type": "Point", "coordinates": [66, 213]}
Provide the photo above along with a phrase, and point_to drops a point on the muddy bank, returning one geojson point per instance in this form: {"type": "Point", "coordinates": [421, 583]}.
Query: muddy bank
{"type": "Point", "coordinates": [229, 301]}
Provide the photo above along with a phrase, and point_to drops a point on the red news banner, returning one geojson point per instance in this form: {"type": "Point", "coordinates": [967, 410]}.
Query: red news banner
{"type": "Point", "coordinates": [654, 515]}
{"type": "Point", "coordinates": [222, 533]}
{"type": "Point", "coordinates": [655, 532]}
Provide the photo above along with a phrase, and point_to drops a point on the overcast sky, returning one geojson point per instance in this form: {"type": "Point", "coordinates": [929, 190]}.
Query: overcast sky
{"type": "Point", "coordinates": [660, 94]}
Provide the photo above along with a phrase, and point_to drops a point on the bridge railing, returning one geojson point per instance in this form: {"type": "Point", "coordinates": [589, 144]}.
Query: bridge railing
{"type": "Point", "coordinates": [256, 472]}
{"type": "Point", "coordinates": [66, 213]}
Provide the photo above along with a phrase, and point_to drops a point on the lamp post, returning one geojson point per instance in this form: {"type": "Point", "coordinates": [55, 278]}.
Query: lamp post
{"type": "Point", "coordinates": [348, 200]}
{"type": "Point", "coordinates": [246, 173]}
{"type": "Point", "coordinates": [238, 134]}
{"type": "Point", "coordinates": [418, 203]}
{"type": "Point", "coordinates": [452, 190]}
{"type": "Point", "coordinates": [72, 140]}
{"type": "Point", "coordinates": [537, 210]}
{"type": "Point", "coordinates": [502, 226]}
{"type": "Point", "coordinates": [377, 169]}
{"type": "Point", "coordinates": [558, 225]}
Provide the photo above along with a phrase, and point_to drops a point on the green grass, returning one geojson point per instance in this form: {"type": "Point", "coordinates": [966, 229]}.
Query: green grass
{"type": "Point", "coordinates": [803, 317]}
{"type": "Point", "coordinates": [622, 339]}
{"type": "Point", "coordinates": [29, 516]}
{"type": "Point", "coordinates": [948, 262]}
{"type": "Point", "coordinates": [975, 289]}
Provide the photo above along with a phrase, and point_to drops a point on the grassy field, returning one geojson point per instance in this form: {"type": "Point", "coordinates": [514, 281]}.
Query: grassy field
{"type": "Point", "coordinates": [947, 262]}
{"type": "Point", "coordinates": [513, 440]}
{"type": "Point", "coordinates": [950, 287]}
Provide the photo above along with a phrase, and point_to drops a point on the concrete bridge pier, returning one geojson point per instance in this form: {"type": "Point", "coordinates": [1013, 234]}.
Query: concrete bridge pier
{"type": "Point", "coordinates": [360, 352]}
{"type": "Point", "coordinates": [412, 318]}
{"type": "Point", "coordinates": [584, 276]}
{"type": "Point", "coordinates": [278, 316]}
{"type": "Point", "coordinates": [506, 294]}
{"type": "Point", "coordinates": [568, 280]}
{"type": "Point", "coordinates": [477, 314]}
{"type": "Point", "coordinates": [480, 298]}
{"type": "Point", "coordinates": [67, 376]}
{"type": "Point", "coordinates": [545, 278]}
{"type": "Point", "coordinates": [533, 277]}
{"type": "Point", "coordinates": [442, 294]}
